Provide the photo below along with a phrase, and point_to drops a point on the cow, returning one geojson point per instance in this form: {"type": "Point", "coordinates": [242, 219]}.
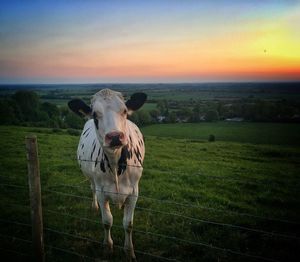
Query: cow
{"type": "Point", "coordinates": [110, 154]}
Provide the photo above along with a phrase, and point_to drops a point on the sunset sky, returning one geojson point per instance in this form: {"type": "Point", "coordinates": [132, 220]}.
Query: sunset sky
{"type": "Point", "coordinates": [149, 41]}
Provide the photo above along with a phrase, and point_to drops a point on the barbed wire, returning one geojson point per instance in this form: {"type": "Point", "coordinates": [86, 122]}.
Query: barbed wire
{"type": "Point", "coordinates": [169, 237]}
{"type": "Point", "coordinates": [180, 215]}
{"type": "Point", "coordinates": [15, 222]}
{"type": "Point", "coordinates": [179, 204]}
{"type": "Point", "coordinates": [14, 252]}
{"type": "Point", "coordinates": [245, 180]}
{"type": "Point", "coordinates": [48, 246]}
{"type": "Point", "coordinates": [76, 236]}
{"type": "Point", "coordinates": [18, 205]}
{"type": "Point", "coordinates": [98, 242]}
{"type": "Point", "coordinates": [190, 205]}
{"type": "Point", "coordinates": [141, 232]}
{"type": "Point", "coordinates": [70, 252]}
{"type": "Point", "coordinates": [188, 217]}
{"type": "Point", "coordinates": [220, 224]}
{"type": "Point", "coordinates": [14, 185]}
{"type": "Point", "coordinates": [90, 220]}
{"type": "Point", "coordinates": [239, 180]}
{"type": "Point", "coordinates": [163, 201]}
{"type": "Point", "coordinates": [66, 194]}
{"type": "Point", "coordinates": [152, 233]}
{"type": "Point", "coordinates": [14, 237]}
{"type": "Point", "coordinates": [220, 210]}
{"type": "Point", "coordinates": [226, 250]}
{"type": "Point", "coordinates": [97, 161]}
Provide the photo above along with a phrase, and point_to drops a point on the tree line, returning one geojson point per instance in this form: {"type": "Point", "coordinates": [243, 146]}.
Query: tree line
{"type": "Point", "coordinates": [244, 109]}
{"type": "Point", "coordinates": [25, 108]}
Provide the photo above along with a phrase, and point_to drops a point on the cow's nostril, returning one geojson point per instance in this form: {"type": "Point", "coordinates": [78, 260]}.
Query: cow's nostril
{"type": "Point", "coordinates": [109, 136]}
{"type": "Point", "coordinates": [115, 138]}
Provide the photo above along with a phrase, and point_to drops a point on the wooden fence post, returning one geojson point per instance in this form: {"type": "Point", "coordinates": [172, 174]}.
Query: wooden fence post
{"type": "Point", "coordinates": [35, 198]}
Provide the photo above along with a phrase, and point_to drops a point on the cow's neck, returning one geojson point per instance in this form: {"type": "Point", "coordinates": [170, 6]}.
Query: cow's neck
{"type": "Point", "coordinates": [113, 158]}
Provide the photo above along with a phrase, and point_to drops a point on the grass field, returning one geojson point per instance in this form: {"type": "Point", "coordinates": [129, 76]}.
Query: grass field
{"type": "Point", "coordinates": [250, 169]}
{"type": "Point", "coordinates": [245, 132]}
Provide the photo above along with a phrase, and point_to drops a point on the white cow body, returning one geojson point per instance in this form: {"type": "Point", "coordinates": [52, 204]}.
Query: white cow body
{"type": "Point", "coordinates": [91, 156]}
{"type": "Point", "coordinates": [111, 153]}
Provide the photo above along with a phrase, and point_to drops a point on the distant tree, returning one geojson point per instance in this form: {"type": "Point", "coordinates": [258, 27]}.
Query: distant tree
{"type": "Point", "coordinates": [198, 111]}
{"type": "Point", "coordinates": [154, 114]}
{"type": "Point", "coordinates": [249, 111]}
{"type": "Point", "coordinates": [185, 113]}
{"type": "Point", "coordinates": [172, 117]}
{"type": "Point", "coordinates": [212, 115]}
{"type": "Point", "coordinates": [220, 108]}
{"type": "Point", "coordinates": [28, 102]}
{"type": "Point", "coordinates": [134, 118]}
{"type": "Point", "coordinates": [7, 112]}
{"type": "Point", "coordinates": [64, 111]}
{"type": "Point", "coordinates": [162, 106]}
{"type": "Point", "coordinates": [143, 117]}
{"type": "Point", "coordinates": [74, 121]}
{"type": "Point", "coordinates": [42, 116]}
{"type": "Point", "coordinates": [51, 109]}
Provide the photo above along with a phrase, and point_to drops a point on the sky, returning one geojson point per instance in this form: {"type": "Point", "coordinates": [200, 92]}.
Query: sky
{"type": "Point", "coordinates": [165, 41]}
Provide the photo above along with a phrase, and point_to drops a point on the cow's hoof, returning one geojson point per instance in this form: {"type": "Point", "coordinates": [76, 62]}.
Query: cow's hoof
{"type": "Point", "coordinates": [108, 251]}
{"type": "Point", "coordinates": [130, 256]}
{"type": "Point", "coordinates": [108, 245]}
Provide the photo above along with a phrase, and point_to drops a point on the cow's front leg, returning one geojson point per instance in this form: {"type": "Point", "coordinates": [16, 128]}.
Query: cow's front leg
{"type": "Point", "coordinates": [129, 207]}
{"type": "Point", "coordinates": [95, 205]}
{"type": "Point", "coordinates": [107, 220]}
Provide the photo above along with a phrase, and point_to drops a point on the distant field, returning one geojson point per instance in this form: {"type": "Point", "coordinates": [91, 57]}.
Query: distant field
{"type": "Point", "coordinates": [149, 106]}
{"type": "Point", "coordinates": [256, 133]}
{"type": "Point", "coordinates": [184, 91]}
{"type": "Point", "coordinates": [212, 181]}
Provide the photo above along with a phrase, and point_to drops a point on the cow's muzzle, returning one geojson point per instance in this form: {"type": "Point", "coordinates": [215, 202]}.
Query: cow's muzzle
{"type": "Point", "coordinates": [115, 139]}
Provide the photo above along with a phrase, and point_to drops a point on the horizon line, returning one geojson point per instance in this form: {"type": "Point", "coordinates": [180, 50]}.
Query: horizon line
{"type": "Point", "coordinates": [157, 83]}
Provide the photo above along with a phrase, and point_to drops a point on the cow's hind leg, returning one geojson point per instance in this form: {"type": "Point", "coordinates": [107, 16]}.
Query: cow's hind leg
{"type": "Point", "coordinates": [107, 220]}
{"type": "Point", "coordinates": [129, 207]}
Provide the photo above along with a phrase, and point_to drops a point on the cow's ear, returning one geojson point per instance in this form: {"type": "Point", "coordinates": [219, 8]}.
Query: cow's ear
{"type": "Point", "coordinates": [136, 101]}
{"type": "Point", "coordinates": [79, 107]}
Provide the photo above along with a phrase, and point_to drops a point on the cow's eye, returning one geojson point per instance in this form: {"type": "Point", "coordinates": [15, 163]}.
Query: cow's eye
{"type": "Point", "coordinates": [125, 111]}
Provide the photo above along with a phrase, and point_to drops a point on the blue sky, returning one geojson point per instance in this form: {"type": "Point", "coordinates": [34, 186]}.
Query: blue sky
{"type": "Point", "coordinates": [142, 41]}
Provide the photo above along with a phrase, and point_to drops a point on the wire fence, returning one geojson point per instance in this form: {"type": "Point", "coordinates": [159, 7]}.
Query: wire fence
{"type": "Point", "coordinates": [184, 216]}
{"type": "Point", "coordinates": [152, 234]}
{"type": "Point", "coordinates": [164, 201]}
{"type": "Point", "coordinates": [198, 206]}
{"type": "Point", "coordinates": [244, 180]}
{"type": "Point", "coordinates": [48, 189]}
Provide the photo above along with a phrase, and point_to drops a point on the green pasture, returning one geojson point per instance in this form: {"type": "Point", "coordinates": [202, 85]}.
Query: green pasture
{"type": "Point", "coordinates": [149, 106]}
{"type": "Point", "coordinates": [244, 132]}
{"type": "Point", "coordinates": [186, 183]}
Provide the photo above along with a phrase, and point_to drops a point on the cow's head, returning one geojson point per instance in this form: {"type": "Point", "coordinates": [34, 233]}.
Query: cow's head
{"type": "Point", "coordinates": [109, 111]}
